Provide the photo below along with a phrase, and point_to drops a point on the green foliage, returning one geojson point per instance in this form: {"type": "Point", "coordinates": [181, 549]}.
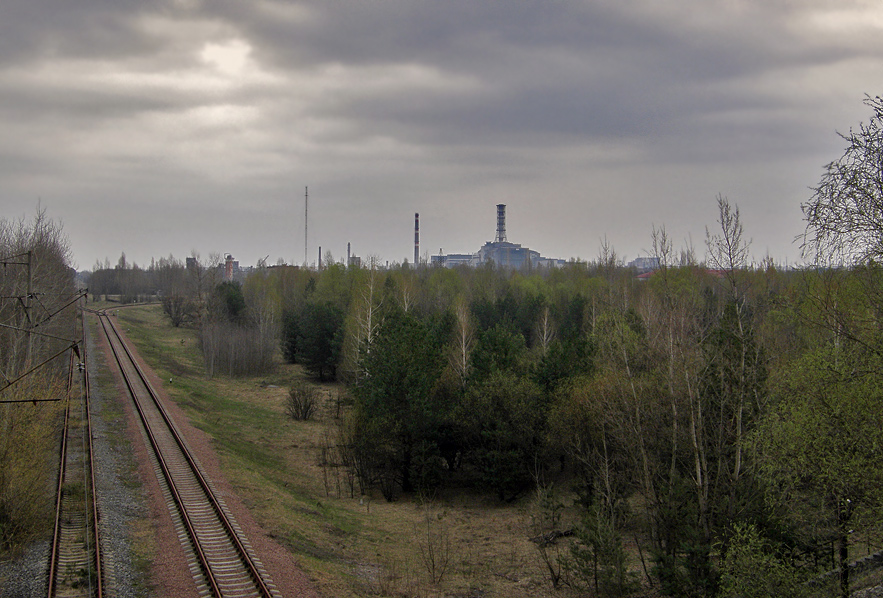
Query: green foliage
{"type": "Point", "coordinates": [565, 360]}
{"type": "Point", "coordinates": [822, 441]}
{"type": "Point", "coordinates": [598, 562]}
{"type": "Point", "coordinates": [820, 447]}
{"type": "Point", "coordinates": [397, 404]}
{"type": "Point", "coordinates": [503, 422]}
{"type": "Point", "coordinates": [289, 333]}
{"type": "Point", "coordinates": [753, 569]}
{"type": "Point", "coordinates": [683, 558]}
{"type": "Point", "coordinates": [499, 349]}
{"type": "Point", "coordinates": [229, 301]}
{"type": "Point", "coordinates": [319, 338]}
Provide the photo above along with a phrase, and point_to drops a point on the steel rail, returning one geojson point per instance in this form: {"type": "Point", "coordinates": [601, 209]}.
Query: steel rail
{"type": "Point", "coordinates": [96, 536]}
{"type": "Point", "coordinates": [227, 526]}
{"type": "Point", "coordinates": [93, 564]}
{"type": "Point", "coordinates": [59, 491]}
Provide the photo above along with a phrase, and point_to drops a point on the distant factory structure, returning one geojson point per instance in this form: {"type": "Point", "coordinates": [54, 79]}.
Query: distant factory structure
{"type": "Point", "coordinates": [499, 252]}
{"type": "Point", "coordinates": [644, 264]}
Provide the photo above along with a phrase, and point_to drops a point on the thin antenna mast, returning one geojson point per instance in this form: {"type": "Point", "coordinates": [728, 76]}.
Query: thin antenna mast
{"type": "Point", "coordinates": [306, 211]}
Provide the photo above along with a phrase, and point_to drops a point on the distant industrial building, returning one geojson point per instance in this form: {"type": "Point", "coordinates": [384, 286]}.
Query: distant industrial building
{"type": "Point", "coordinates": [644, 264]}
{"type": "Point", "coordinates": [500, 252]}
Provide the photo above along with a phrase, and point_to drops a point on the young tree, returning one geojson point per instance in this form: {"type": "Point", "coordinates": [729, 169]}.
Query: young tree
{"type": "Point", "coordinates": [464, 341]}
{"type": "Point", "coordinates": [320, 334]}
{"type": "Point", "coordinates": [399, 414]}
{"type": "Point", "coordinates": [170, 281]}
{"type": "Point", "coordinates": [504, 418]}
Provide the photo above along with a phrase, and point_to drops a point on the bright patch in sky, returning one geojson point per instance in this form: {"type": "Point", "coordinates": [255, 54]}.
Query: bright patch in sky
{"type": "Point", "coordinates": [230, 57]}
{"type": "Point", "coordinates": [850, 18]}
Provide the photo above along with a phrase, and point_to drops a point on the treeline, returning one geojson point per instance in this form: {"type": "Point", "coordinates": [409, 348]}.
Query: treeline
{"type": "Point", "coordinates": [39, 327]}
{"type": "Point", "coordinates": [237, 338]}
{"type": "Point", "coordinates": [726, 415]}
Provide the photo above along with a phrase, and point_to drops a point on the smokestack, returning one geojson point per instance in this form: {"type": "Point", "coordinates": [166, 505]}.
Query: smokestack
{"type": "Point", "coordinates": [228, 268]}
{"type": "Point", "coordinates": [348, 255]}
{"type": "Point", "coordinates": [501, 223]}
{"type": "Point", "coordinates": [416, 239]}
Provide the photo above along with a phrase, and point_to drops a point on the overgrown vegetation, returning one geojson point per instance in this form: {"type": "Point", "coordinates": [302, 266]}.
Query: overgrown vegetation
{"type": "Point", "coordinates": [39, 329]}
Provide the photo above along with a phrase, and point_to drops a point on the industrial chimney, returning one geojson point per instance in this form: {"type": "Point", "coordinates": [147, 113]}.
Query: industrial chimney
{"type": "Point", "coordinates": [228, 268]}
{"type": "Point", "coordinates": [416, 239]}
{"type": "Point", "coordinates": [501, 223]}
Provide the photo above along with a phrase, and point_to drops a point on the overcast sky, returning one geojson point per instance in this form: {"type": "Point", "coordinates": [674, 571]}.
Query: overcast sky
{"type": "Point", "coordinates": [162, 127]}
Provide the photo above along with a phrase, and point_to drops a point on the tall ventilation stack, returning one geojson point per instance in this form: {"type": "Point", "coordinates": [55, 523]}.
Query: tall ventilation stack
{"type": "Point", "coordinates": [416, 239]}
{"type": "Point", "coordinates": [228, 268]}
{"type": "Point", "coordinates": [501, 223]}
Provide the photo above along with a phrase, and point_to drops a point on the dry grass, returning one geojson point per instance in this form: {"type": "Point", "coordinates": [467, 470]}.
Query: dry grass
{"type": "Point", "coordinates": [29, 442]}
{"type": "Point", "coordinates": [285, 472]}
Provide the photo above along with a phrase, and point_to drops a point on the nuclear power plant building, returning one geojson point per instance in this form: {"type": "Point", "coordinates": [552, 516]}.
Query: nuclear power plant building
{"type": "Point", "coordinates": [499, 252]}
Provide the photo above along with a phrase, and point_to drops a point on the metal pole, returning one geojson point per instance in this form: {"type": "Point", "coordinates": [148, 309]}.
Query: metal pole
{"type": "Point", "coordinates": [30, 323]}
{"type": "Point", "coordinates": [306, 211]}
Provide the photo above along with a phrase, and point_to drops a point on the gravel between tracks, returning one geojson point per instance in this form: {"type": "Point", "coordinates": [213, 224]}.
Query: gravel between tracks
{"type": "Point", "coordinates": [25, 575]}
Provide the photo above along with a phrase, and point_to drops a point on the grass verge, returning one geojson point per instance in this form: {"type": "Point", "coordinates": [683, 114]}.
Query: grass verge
{"type": "Point", "coordinates": [457, 545]}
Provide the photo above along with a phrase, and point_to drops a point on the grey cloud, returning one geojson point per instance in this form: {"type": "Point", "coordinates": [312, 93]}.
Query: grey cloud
{"type": "Point", "coordinates": [387, 105]}
{"type": "Point", "coordinates": [87, 28]}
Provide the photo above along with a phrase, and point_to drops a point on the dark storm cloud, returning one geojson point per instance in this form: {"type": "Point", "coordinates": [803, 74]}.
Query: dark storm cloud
{"type": "Point", "coordinates": [385, 106]}
{"type": "Point", "coordinates": [546, 71]}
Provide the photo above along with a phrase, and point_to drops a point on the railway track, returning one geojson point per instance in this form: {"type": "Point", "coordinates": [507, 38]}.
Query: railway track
{"type": "Point", "coordinates": [220, 557]}
{"type": "Point", "coordinates": [75, 569]}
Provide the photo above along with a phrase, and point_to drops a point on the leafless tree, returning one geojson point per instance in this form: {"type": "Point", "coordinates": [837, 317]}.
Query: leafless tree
{"type": "Point", "coordinates": [37, 290]}
{"type": "Point", "coordinates": [727, 250]}
{"type": "Point", "coordinates": [37, 321]}
{"type": "Point", "coordinates": [464, 340]}
{"type": "Point", "coordinates": [545, 329]}
{"type": "Point", "coordinates": [844, 216]}
{"type": "Point", "coordinates": [365, 319]}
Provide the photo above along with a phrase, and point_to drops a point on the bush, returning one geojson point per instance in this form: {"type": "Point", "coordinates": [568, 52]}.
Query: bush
{"type": "Point", "coordinates": [303, 399]}
{"type": "Point", "coordinates": [598, 561]}
{"type": "Point", "coordinates": [752, 568]}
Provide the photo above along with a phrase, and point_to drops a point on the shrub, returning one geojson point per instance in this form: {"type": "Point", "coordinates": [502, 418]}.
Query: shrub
{"type": "Point", "coordinates": [303, 399]}
{"type": "Point", "coordinates": [752, 568]}
{"type": "Point", "coordinates": [598, 561]}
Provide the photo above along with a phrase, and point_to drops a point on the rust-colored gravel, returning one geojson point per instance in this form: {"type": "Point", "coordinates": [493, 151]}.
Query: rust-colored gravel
{"type": "Point", "coordinates": [172, 577]}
